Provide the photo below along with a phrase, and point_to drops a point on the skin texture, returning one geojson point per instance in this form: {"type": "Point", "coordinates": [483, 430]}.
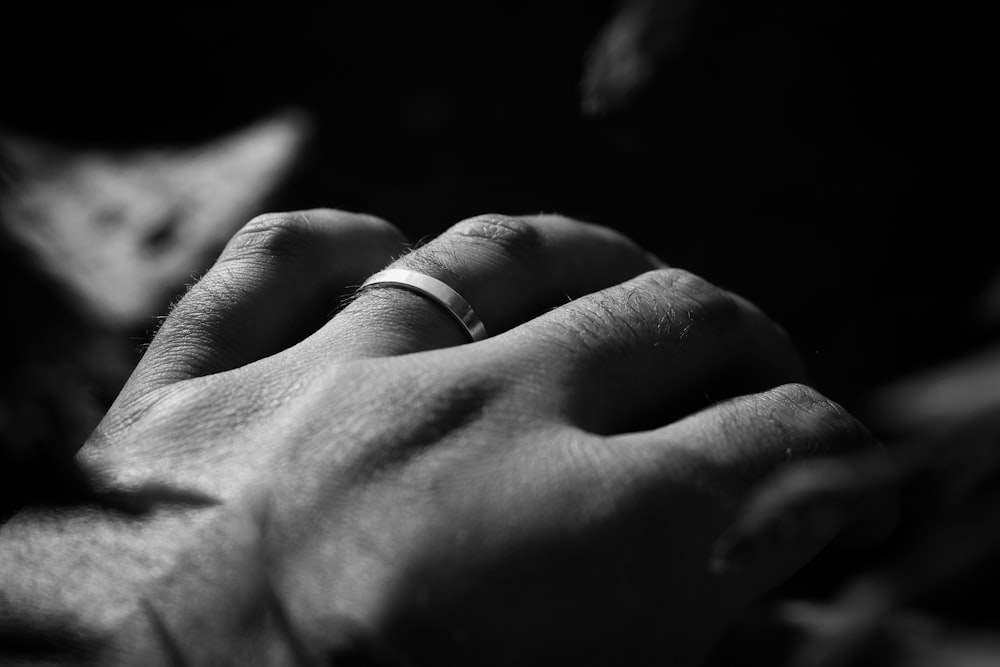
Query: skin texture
{"type": "Point", "coordinates": [554, 492]}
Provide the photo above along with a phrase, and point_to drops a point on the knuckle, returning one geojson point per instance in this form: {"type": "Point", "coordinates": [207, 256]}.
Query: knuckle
{"type": "Point", "coordinates": [699, 298]}
{"type": "Point", "coordinates": [821, 422]}
{"type": "Point", "coordinates": [508, 235]}
{"type": "Point", "coordinates": [802, 396]}
{"type": "Point", "coordinates": [294, 234]}
{"type": "Point", "coordinates": [272, 235]}
{"type": "Point", "coordinates": [659, 305]}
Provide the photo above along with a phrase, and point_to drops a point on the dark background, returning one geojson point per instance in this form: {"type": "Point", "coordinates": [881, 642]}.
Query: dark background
{"type": "Point", "coordinates": [834, 162]}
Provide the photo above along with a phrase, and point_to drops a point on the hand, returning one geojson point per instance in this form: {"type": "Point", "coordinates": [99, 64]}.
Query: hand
{"type": "Point", "coordinates": [551, 493]}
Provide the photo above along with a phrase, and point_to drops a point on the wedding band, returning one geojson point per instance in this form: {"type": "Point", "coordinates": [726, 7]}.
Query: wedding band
{"type": "Point", "coordinates": [436, 291]}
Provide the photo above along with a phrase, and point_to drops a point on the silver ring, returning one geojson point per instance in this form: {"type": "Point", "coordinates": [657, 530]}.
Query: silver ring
{"type": "Point", "coordinates": [436, 291]}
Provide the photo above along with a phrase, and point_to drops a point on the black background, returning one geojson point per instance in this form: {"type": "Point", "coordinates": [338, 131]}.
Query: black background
{"type": "Point", "coordinates": [834, 162]}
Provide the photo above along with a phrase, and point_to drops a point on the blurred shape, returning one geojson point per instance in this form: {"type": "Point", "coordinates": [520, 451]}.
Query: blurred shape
{"type": "Point", "coordinates": [129, 228]}
{"type": "Point", "coordinates": [843, 633]}
{"type": "Point", "coordinates": [631, 49]}
{"type": "Point", "coordinates": [811, 502]}
{"type": "Point", "coordinates": [940, 397]}
{"type": "Point", "coordinates": [59, 368]}
{"type": "Point", "coordinates": [94, 244]}
{"type": "Point", "coordinates": [989, 303]}
{"type": "Point", "coordinates": [895, 640]}
{"type": "Point", "coordinates": [926, 595]}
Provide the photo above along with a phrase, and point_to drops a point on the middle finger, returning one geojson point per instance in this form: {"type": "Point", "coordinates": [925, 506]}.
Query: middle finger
{"type": "Point", "coordinates": [648, 351]}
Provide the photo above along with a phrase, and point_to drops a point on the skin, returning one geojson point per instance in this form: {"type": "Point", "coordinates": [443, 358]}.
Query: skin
{"type": "Point", "coordinates": [554, 492]}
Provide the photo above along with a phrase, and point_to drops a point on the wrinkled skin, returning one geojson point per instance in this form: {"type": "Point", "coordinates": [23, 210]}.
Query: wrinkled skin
{"type": "Point", "coordinates": [553, 493]}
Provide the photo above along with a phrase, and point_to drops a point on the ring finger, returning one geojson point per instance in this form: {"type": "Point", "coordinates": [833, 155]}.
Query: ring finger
{"type": "Point", "coordinates": [509, 269]}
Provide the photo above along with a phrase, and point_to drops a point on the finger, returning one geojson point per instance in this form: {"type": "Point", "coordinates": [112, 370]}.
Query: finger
{"type": "Point", "coordinates": [733, 451]}
{"type": "Point", "coordinates": [648, 351]}
{"type": "Point", "coordinates": [826, 497]}
{"type": "Point", "coordinates": [509, 269]}
{"type": "Point", "coordinates": [277, 280]}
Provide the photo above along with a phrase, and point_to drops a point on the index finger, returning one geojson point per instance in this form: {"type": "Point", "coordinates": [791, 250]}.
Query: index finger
{"type": "Point", "coordinates": [734, 449]}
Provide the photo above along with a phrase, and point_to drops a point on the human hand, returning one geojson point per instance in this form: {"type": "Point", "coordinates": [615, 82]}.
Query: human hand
{"type": "Point", "coordinates": [552, 493]}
